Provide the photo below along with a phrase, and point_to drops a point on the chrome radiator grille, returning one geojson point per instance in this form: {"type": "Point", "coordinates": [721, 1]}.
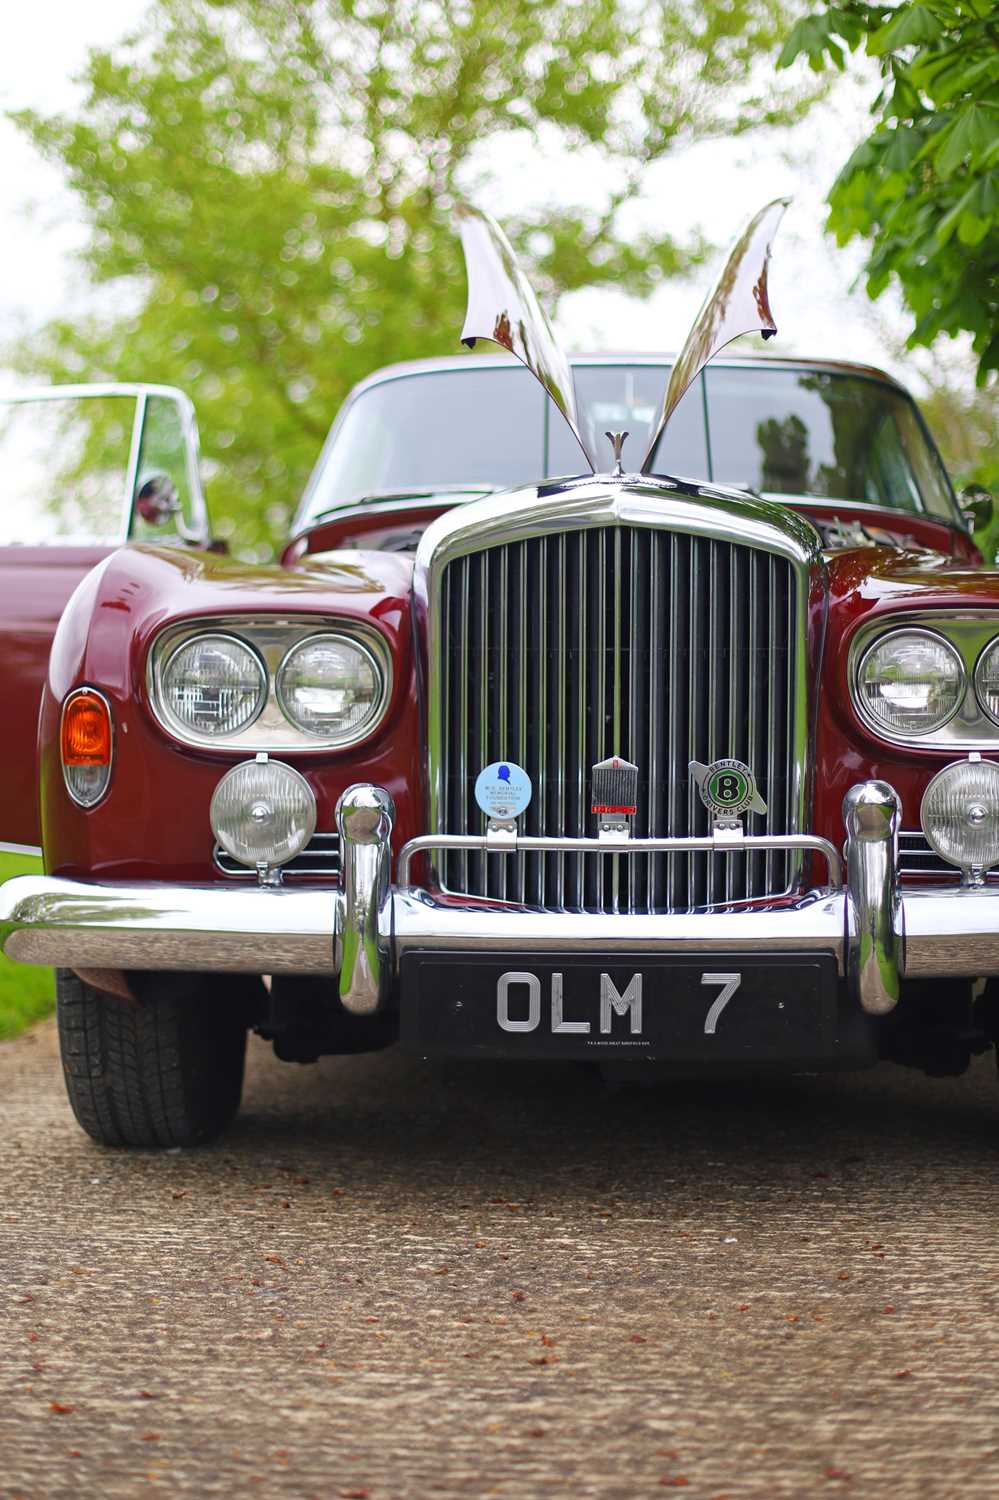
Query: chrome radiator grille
{"type": "Point", "coordinates": [560, 650]}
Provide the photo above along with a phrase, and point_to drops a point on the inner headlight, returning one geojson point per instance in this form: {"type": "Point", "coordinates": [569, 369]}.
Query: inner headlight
{"type": "Point", "coordinates": [214, 685]}
{"type": "Point", "coordinates": [331, 686]}
{"type": "Point", "coordinates": [960, 814]}
{"type": "Point", "coordinates": [911, 682]}
{"type": "Point", "coordinates": [987, 681]}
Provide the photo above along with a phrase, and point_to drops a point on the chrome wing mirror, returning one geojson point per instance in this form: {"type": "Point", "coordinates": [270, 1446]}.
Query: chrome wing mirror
{"type": "Point", "coordinates": [977, 506]}
{"type": "Point", "coordinates": [157, 500]}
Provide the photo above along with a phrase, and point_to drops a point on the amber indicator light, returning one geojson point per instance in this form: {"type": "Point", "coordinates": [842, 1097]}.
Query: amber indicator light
{"type": "Point", "coordinates": [86, 731]}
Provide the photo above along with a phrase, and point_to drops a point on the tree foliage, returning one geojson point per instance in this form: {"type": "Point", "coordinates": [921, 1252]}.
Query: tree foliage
{"type": "Point", "coordinates": [269, 185]}
{"type": "Point", "coordinates": [924, 185]}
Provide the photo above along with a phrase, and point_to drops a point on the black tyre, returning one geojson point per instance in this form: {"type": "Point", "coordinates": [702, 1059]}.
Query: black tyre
{"type": "Point", "coordinates": [163, 1070]}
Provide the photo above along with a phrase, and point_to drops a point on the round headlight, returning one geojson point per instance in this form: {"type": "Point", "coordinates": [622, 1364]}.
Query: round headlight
{"type": "Point", "coordinates": [331, 686]}
{"type": "Point", "coordinates": [960, 814]}
{"type": "Point", "coordinates": [987, 681]}
{"type": "Point", "coordinates": [214, 685]}
{"type": "Point", "coordinates": [911, 682]}
{"type": "Point", "coordinates": [263, 812]}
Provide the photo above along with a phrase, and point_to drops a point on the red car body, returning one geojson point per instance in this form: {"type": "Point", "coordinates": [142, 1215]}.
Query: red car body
{"type": "Point", "coordinates": [815, 553]}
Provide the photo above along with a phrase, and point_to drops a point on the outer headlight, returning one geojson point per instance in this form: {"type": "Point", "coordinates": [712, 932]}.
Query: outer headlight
{"type": "Point", "coordinates": [214, 685]}
{"type": "Point", "coordinates": [331, 686]}
{"type": "Point", "coordinates": [910, 682]}
{"type": "Point", "coordinates": [987, 681]}
{"type": "Point", "coordinates": [960, 814]}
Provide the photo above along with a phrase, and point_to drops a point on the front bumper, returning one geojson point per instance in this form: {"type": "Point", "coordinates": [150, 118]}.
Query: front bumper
{"type": "Point", "coordinates": [360, 932]}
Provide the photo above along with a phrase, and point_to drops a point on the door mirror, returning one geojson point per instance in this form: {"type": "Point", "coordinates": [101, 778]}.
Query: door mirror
{"type": "Point", "coordinates": [977, 506]}
{"type": "Point", "coordinates": [157, 500]}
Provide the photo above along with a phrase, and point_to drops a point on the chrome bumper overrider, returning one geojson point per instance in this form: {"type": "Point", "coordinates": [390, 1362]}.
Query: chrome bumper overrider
{"type": "Point", "coordinates": [360, 931]}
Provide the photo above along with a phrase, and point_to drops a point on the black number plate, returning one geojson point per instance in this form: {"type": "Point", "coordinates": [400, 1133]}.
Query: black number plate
{"type": "Point", "coordinates": [726, 1007]}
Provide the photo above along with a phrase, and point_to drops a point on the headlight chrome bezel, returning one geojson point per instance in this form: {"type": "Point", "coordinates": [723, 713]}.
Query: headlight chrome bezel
{"type": "Point", "coordinates": [970, 633]}
{"type": "Point", "coordinates": [271, 638]}
{"type": "Point", "coordinates": [989, 646]}
{"type": "Point", "coordinates": [889, 731]}
{"type": "Point", "coordinates": [358, 732]}
{"type": "Point", "coordinates": [189, 731]}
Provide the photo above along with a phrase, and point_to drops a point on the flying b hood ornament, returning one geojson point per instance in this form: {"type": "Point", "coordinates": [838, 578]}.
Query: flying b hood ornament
{"type": "Point", "coordinates": [502, 307]}
{"type": "Point", "coordinates": [737, 304]}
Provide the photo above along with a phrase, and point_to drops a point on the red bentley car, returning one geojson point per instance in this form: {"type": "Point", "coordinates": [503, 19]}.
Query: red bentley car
{"type": "Point", "coordinates": [681, 751]}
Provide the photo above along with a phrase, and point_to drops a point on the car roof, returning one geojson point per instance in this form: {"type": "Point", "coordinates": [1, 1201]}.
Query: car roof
{"type": "Point", "coordinates": [497, 360]}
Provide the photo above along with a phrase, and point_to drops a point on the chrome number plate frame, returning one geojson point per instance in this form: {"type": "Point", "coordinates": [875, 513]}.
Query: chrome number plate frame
{"type": "Point", "coordinates": [736, 1009]}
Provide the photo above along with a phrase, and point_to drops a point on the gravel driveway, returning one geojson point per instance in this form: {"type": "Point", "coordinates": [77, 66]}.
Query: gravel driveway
{"type": "Point", "coordinates": [397, 1279]}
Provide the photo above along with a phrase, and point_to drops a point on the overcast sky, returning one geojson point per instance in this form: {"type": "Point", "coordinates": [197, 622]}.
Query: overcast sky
{"type": "Point", "coordinates": [714, 187]}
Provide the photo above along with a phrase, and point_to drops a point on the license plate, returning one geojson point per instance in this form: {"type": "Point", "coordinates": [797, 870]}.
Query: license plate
{"type": "Point", "coordinates": [726, 1007]}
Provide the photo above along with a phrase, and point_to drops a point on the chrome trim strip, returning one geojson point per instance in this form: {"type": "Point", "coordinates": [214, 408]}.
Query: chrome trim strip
{"type": "Point", "coordinates": [520, 843]}
{"type": "Point", "coordinates": [952, 932]}
{"type": "Point", "coordinates": [134, 456]}
{"type": "Point", "coordinates": [364, 816]}
{"type": "Point", "coordinates": [815, 922]}
{"type": "Point", "coordinates": [872, 812]}
{"type": "Point", "coordinates": [34, 850]}
{"type": "Point", "coordinates": [243, 929]}
{"type": "Point", "coordinates": [260, 930]}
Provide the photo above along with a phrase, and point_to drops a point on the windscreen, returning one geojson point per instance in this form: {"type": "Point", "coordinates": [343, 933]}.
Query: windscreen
{"type": "Point", "coordinates": [826, 436]}
{"type": "Point", "coordinates": [447, 429]}
{"type": "Point", "coordinates": [494, 428]}
{"type": "Point", "coordinates": [625, 398]}
{"type": "Point", "coordinates": [822, 435]}
{"type": "Point", "coordinates": [64, 469]}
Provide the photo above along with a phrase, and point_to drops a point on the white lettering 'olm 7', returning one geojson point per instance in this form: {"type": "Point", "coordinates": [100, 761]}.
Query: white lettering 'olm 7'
{"type": "Point", "coordinates": [612, 1002]}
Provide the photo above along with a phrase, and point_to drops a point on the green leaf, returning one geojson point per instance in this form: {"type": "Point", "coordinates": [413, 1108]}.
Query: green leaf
{"type": "Point", "coordinates": [910, 26]}
{"type": "Point", "coordinates": [903, 149]}
{"type": "Point", "coordinates": [974, 131]}
{"type": "Point", "coordinates": [268, 190]}
{"type": "Point", "coordinates": [812, 35]}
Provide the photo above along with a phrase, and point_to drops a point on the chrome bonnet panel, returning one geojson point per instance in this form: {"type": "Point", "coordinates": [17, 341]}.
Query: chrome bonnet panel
{"type": "Point", "coordinates": [616, 617]}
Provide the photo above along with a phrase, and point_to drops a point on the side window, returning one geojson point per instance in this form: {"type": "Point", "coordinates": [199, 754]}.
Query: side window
{"type": "Point", "coordinates": [65, 462]}
{"type": "Point", "coordinates": [164, 504]}
{"type": "Point", "coordinates": [888, 472]}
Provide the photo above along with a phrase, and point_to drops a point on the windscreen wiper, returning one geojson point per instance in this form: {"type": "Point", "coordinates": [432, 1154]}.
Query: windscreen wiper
{"type": "Point", "coordinates": [430, 493]}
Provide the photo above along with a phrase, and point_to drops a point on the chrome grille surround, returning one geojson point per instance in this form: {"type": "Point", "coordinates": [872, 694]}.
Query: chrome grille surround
{"type": "Point", "coordinates": [620, 532]}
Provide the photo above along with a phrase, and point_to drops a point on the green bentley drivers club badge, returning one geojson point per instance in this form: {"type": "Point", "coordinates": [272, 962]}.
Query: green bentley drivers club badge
{"type": "Point", "coordinates": [727, 788]}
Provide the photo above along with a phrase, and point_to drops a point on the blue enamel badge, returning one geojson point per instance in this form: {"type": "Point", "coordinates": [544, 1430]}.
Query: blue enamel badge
{"type": "Point", "coordinates": [503, 790]}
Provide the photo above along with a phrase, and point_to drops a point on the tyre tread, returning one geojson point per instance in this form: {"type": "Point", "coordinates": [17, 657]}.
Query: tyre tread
{"type": "Point", "coordinates": [163, 1070]}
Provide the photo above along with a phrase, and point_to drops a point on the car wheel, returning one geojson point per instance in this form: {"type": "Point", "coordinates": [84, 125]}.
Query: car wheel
{"type": "Point", "coordinates": [163, 1069]}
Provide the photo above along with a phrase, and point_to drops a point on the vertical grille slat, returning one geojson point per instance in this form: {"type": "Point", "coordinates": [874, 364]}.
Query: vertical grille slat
{"type": "Point", "coordinates": [656, 645]}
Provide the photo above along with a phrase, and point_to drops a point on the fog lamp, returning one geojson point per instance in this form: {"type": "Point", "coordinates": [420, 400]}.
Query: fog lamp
{"type": "Point", "coordinates": [960, 816]}
{"type": "Point", "coordinates": [263, 813]}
